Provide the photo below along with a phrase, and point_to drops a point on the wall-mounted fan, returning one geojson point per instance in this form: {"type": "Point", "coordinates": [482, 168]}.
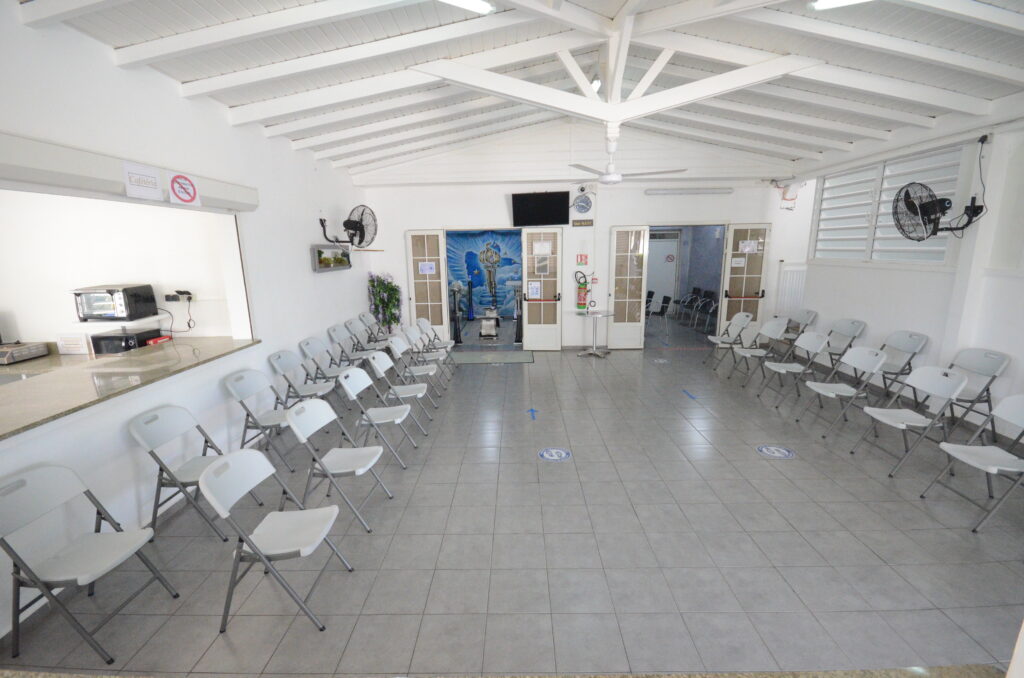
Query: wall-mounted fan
{"type": "Point", "coordinates": [917, 212]}
{"type": "Point", "coordinates": [610, 177]}
{"type": "Point", "coordinates": [360, 227]}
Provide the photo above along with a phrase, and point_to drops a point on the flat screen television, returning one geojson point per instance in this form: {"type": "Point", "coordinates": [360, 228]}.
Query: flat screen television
{"type": "Point", "coordinates": [540, 209]}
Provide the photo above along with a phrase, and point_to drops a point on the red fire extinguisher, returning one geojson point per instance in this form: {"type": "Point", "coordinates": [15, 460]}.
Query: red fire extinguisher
{"type": "Point", "coordinates": [582, 290]}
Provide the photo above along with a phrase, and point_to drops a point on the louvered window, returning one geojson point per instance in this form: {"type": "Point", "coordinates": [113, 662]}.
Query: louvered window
{"type": "Point", "coordinates": [854, 212]}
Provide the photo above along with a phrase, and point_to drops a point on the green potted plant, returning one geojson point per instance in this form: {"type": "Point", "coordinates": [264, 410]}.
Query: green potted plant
{"type": "Point", "coordinates": [385, 300]}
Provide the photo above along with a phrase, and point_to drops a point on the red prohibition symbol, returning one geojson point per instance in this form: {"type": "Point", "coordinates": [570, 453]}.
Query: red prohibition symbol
{"type": "Point", "coordinates": [183, 188]}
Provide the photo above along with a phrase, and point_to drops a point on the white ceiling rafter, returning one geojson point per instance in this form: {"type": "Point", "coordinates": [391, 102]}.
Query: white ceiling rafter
{"type": "Point", "coordinates": [773, 135]}
{"type": "Point", "coordinates": [48, 12]}
{"type": "Point", "coordinates": [694, 11]}
{"type": "Point", "coordinates": [836, 76]}
{"type": "Point", "coordinates": [345, 55]}
{"type": "Point", "coordinates": [973, 12]}
{"type": "Point", "coordinates": [569, 15]}
{"type": "Point", "coordinates": [886, 43]}
{"type": "Point", "coordinates": [250, 28]}
{"type": "Point", "coordinates": [297, 104]}
{"type": "Point", "coordinates": [652, 73]}
{"type": "Point", "coordinates": [741, 143]}
{"type": "Point", "coordinates": [572, 67]}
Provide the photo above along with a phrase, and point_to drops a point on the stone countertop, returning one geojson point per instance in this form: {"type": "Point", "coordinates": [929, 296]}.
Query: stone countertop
{"type": "Point", "coordinates": [53, 386]}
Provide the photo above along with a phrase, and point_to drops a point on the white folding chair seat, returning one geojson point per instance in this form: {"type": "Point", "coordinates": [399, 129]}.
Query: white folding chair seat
{"type": "Point", "coordinates": [354, 382]}
{"type": "Point", "coordinates": [26, 498]}
{"type": "Point", "coordinates": [410, 390]}
{"type": "Point", "coordinates": [982, 367]}
{"type": "Point", "coordinates": [840, 338]}
{"type": "Point", "coordinates": [280, 535]}
{"type": "Point", "coordinates": [785, 368]}
{"type": "Point", "coordinates": [935, 382]}
{"type": "Point", "coordinates": [434, 339]}
{"type": "Point", "coordinates": [993, 460]}
{"type": "Point", "coordinates": [731, 337]}
{"type": "Point", "coordinates": [864, 363]}
{"type": "Point", "coordinates": [811, 344]}
{"type": "Point", "coordinates": [409, 371]}
{"type": "Point", "coordinates": [423, 354]}
{"type": "Point", "coordinates": [831, 389]}
{"type": "Point", "coordinates": [387, 415]}
{"type": "Point", "coordinates": [244, 386]}
{"type": "Point", "coordinates": [381, 365]}
{"type": "Point", "coordinates": [286, 364]}
{"type": "Point", "coordinates": [190, 471]}
{"type": "Point", "coordinates": [91, 556]}
{"type": "Point", "coordinates": [346, 344]}
{"type": "Point", "coordinates": [800, 320]}
{"type": "Point", "coordinates": [273, 418]}
{"type": "Point", "coordinates": [760, 349]}
{"type": "Point", "coordinates": [293, 534]}
{"type": "Point", "coordinates": [311, 416]}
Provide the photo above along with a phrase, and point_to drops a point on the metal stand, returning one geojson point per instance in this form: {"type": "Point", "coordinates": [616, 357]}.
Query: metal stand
{"type": "Point", "coordinates": [594, 350]}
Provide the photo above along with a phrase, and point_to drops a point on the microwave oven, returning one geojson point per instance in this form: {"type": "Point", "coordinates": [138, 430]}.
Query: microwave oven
{"type": "Point", "coordinates": [119, 342]}
{"type": "Point", "coordinates": [115, 302]}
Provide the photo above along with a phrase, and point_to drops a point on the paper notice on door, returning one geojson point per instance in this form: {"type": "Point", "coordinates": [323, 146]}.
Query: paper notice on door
{"type": "Point", "coordinates": [533, 289]}
{"type": "Point", "coordinates": [739, 262]}
{"type": "Point", "coordinates": [542, 248]}
{"type": "Point", "coordinates": [428, 267]}
{"type": "Point", "coordinates": [748, 246]}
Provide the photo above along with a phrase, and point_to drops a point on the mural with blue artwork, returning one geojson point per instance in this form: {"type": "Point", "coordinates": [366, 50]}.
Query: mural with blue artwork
{"type": "Point", "coordinates": [490, 259]}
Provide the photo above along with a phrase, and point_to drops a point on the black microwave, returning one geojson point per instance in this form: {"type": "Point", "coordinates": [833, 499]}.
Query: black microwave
{"type": "Point", "coordinates": [121, 341]}
{"type": "Point", "coordinates": [115, 302]}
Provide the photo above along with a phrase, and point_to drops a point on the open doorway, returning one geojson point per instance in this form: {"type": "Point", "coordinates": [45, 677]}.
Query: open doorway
{"type": "Point", "coordinates": [485, 273]}
{"type": "Point", "coordinates": [686, 266]}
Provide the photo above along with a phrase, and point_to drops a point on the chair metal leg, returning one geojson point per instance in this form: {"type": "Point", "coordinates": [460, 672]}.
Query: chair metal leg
{"type": "Point", "coordinates": [387, 442]}
{"type": "Point", "coordinates": [333, 483]}
{"type": "Point", "coordinates": [381, 483]}
{"type": "Point", "coordinates": [15, 613]}
{"type": "Point", "coordinates": [337, 553]}
{"type": "Point", "coordinates": [156, 502]}
{"type": "Point", "coordinates": [988, 482]}
{"type": "Point", "coordinates": [936, 479]}
{"type": "Point", "coordinates": [999, 503]}
{"type": "Point", "coordinates": [417, 422]}
{"type": "Point", "coordinates": [867, 432]}
{"type": "Point", "coordinates": [157, 574]}
{"type": "Point", "coordinates": [910, 450]}
{"type": "Point", "coordinates": [415, 445]}
{"type": "Point", "coordinates": [231, 587]}
{"type": "Point", "coordinates": [195, 504]}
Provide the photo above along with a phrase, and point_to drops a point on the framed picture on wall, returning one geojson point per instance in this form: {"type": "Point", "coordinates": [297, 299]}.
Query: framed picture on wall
{"type": "Point", "coordinates": [330, 257]}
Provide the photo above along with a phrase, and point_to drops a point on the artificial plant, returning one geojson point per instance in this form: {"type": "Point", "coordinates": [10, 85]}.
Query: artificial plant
{"type": "Point", "coordinates": [385, 300]}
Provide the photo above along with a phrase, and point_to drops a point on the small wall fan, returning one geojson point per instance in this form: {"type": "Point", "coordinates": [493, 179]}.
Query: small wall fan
{"type": "Point", "coordinates": [360, 227]}
{"type": "Point", "coordinates": [917, 212]}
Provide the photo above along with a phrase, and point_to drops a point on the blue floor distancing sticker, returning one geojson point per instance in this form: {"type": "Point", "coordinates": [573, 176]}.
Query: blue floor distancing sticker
{"type": "Point", "coordinates": [555, 454]}
{"type": "Point", "coordinates": [775, 452]}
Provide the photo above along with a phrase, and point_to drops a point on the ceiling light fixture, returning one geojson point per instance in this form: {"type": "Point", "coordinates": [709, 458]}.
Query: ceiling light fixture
{"type": "Point", "coordinates": [687, 191]}
{"type": "Point", "coordinates": [478, 6]}
{"type": "Point", "coordinates": [832, 4]}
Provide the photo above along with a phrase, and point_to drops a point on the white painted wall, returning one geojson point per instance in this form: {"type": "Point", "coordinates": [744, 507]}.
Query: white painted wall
{"type": "Point", "coordinates": [61, 87]}
{"type": "Point", "coordinates": [57, 243]}
{"type": "Point", "coordinates": [661, 276]}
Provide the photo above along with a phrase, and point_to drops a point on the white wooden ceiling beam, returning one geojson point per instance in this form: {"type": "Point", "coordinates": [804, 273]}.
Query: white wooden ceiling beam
{"type": "Point", "coordinates": [741, 143]}
{"type": "Point", "coordinates": [438, 96]}
{"type": "Point", "coordinates": [347, 55]}
{"type": "Point", "coordinates": [566, 14]}
{"type": "Point", "coordinates": [528, 117]}
{"type": "Point", "coordinates": [774, 133]}
{"type": "Point", "coordinates": [48, 12]}
{"type": "Point", "coordinates": [971, 11]}
{"type": "Point", "coordinates": [381, 85]}
{"type": "Point", "coordinates": [518, 90]}
{"type": "Point", "coordinates": [250, 28]}
{"type": "Point", "coordinates": [828, 74]}
{"type": "Point", "coordinates": [572, 67]}
{"type": "Point", "coordinates": [885, 43]}
{"type": "Point", "coordinates": [618, 55]}
{"type": "Point", "coordinates": [381, 130]}
{"type": "Point", "coordinates": [693, 11]}
{"type": "Point", "coordinates": [713, 86]}
{"type": "Point", "coordinates": [775, 114]}
{"type": "Point", "coordinates": [651, 74]}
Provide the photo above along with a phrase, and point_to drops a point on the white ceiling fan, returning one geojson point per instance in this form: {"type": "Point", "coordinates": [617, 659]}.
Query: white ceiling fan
{"type": "Point", "coordinates": [609, 176]}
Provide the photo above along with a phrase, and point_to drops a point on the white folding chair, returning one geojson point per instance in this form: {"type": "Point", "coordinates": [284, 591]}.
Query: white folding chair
{"type": "Point", "coordinates": [841, 336]}
{"type": "Point", "coordinates": [424, 356]}
{"type": "Point", "coordinates": [730, 338]}
{"type": "Point", "coordinates": [811, 344]}
{"type": "Point", "coordinates": [799, 322]}
{"type": "Point", "coordinates": [409, 372]}
{"type": "Point", "coordinates": [865, 364]}
{"type": "Point", "coordinates": [310, 416]}
{"type": "Point", "coordinates": [381, 364]}
{"type": "Point", "coordinates": [935, 382]}
{"type": "Point", "coordinates": [347, 345]}
{"type": "Point", "coordinates": [267, 425]}
{"type": "Point", "coordinates": [982, 367]}
{"type": "Point", "coordinates": [371, 323]}
{"type": "Point", "coordinates": [993, 460]}
{"type": "Point", "coordinates": [287, 364]}
{"type": "Point", "coordinates": [281, 535]}
{"type": "Point", "coordinates": [901, 347]}
{"type": "Point", "coordinates": [157, 427]}
{"type": "Point", "coordinates": [363, 336]}
{"type": "Point", "coordinates": [436, 343]}
{"type": "Point", "coordinates": [354, 382]}
{"type": "Point", "coordinates": [760, 348]}
{"type": "Point", "coordinates": [325, 365]}
{"type": "Point", "coordinates": [25, 498]}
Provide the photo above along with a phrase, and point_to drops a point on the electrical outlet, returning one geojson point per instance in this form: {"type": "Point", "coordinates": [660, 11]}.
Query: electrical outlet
{"type": "Point", "coordinates": [172, 297]}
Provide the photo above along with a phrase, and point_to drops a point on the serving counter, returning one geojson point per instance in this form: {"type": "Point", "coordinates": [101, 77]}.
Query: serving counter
{"type": "Point", "coordinates": [41, 390]}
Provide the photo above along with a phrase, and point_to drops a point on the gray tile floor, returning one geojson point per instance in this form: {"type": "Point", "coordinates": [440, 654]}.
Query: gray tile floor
{"type": "Point", "coordinates": [665, 544]}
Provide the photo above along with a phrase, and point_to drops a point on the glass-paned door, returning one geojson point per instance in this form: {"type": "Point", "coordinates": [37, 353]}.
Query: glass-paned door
{"type": "Point", "coordinates": [542, 291]}
{"type": "Point", "coordinates": [428, 286]}
{"type": "Point", "coordinates": [743, 272]}
{"type": "Point", "coordinates": [629, 246]}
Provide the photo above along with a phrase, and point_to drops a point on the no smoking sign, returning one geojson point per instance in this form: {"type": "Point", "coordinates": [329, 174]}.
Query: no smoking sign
{"type": "Point", "coordinates": [182, 191]}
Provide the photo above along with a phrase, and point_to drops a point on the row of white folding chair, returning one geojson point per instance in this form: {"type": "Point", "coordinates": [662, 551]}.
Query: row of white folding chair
{"type": "Point", "coordinates": [730, 338]}
{"type": "Point", "coordinates": [766, 343]}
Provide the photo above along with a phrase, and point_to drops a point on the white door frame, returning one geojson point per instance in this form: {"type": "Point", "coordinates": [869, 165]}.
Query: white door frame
{"type": "Point", "coordinates": [723, 308]}
{"type": "Point", "coordinates": [547, 336]}
{"type": "Point", "coordinates": [442, 270]}
{"type": "Point", "coordinates": [624, 334]}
